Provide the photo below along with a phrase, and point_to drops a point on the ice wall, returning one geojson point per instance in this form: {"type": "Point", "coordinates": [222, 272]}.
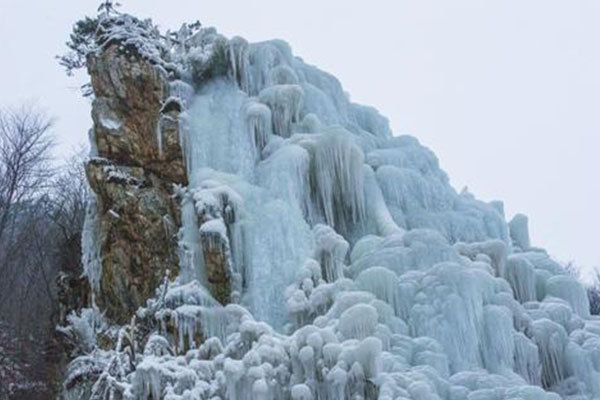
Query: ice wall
{"type": "Point", "coordinates": [357, 270]}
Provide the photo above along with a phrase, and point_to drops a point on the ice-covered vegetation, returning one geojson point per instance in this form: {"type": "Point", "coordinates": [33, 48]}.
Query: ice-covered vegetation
{"type": "Point", "coordinates": [356, 271]}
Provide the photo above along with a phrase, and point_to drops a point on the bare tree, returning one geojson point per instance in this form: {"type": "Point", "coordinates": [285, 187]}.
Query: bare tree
{"type": "Point", "coordinates": [69, 198]}
{"type": "Point", "coordinates": [27, 299]}
{"type": "Point", "coordinates": [25, 146]}
{"type": "Point", "coordinates": [42, 207]}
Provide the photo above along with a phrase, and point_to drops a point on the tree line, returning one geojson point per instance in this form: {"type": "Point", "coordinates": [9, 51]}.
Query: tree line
{"type": "Point", "coordinates": [42, 207]}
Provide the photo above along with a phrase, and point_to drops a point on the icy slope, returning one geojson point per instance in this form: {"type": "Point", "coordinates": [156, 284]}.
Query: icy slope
{"type": "Point", "coordinates": [355, 271]}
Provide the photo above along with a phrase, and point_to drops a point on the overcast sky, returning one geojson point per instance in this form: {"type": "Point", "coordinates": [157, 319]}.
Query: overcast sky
{"type": "Point", "coordinates": [506, 92]}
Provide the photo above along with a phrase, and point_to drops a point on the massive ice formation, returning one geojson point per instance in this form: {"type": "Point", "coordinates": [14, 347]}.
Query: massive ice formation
{"type": "Point", "coordinates": [321, 257]}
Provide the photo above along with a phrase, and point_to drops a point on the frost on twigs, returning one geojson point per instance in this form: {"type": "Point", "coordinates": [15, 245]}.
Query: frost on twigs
{"type": "Point", "coordinates": [133, 37]}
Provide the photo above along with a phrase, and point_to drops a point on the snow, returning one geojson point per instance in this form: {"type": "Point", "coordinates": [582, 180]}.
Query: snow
{"type": "Point", "coordinates": [357, 270]}
{"type": "Point", "coordinates": [110, 124]}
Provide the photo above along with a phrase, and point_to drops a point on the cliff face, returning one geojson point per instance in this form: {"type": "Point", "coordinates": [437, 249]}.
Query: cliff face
{"type": "Point", "coordinates": [310, 253]}
{"type": "Point", "coordinates": [137, 161]}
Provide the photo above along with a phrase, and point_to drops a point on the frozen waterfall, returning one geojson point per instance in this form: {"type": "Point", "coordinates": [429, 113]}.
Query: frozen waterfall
{"type": "Point", "coordinates": [355, 270]}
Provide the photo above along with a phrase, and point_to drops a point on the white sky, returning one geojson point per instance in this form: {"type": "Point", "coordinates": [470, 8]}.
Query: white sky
{"type": "Point", "coordinates": [506, 92]}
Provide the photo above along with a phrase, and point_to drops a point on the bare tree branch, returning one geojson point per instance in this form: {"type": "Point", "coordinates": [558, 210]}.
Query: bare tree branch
{"type": "Point", "coordinates": [25, 146]}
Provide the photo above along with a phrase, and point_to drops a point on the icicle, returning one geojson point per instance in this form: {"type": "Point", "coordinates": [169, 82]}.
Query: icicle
{"type": "Point", "coordinates": [330, 251]}
{"type": "Point", "coordinates": [337, 176]}
{"type": "Point", "coordinates": [282, 75]}
{"type": "Point", "coordinates": [581, 363]}
{"type": "Point", "coordinates": [568, 289]}
{"type": "Point", "coordinates": [191, 258]}
{"type": "Point", "coordinates": [182, 91]}
{"type": "Point", "coordinates": [259, 122]}
{"type": "Point", "coordinates": [217, 134]}
{"type": "Point", "coordinates": [527, 361]}
{"type": "Point", "coordinates": [214, 235]}
{"type": "Point", "coordinates": [192, 293]}
{"type": "Point", "coordinates": [285, 173]}
{"type": "Point", "coordinates": [377, 210]}
{"type": "Point", "coordinates": [520, 273]}
{"type": "Point", "coordinates": [383, 283]}
{"type": "Point", "coordinates": [285, 102]}
{"type": "Point", "coordinates": [159, 137]}
{"type": "Point", "coordinates": [213, 322]}
{"type": "Point", "coordinates": [551, 340]}
{"type": "Point", "coordinates": [90, 246]}
{"type": "Point", "coordinates": [498, 345]}
{"type": "Point", "coordinates": [239, 62]}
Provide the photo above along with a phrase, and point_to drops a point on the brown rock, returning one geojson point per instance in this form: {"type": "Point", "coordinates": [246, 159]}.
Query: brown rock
{"type": "Point", "coordinates": [218, 268]}
{"type": "Point", "coordinates": [129, 94]}
{"type": "Point", "coordinates": [138, 224]}
{"type": "Point", "coordinates": [139, 160]}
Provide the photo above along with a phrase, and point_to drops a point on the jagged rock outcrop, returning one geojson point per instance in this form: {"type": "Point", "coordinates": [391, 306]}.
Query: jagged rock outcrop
{"type": "Point", "coordinates": [217, 258]}
{"type": "Point", "coordinates": [137, 161]}
{"type": "Point", "coordinates": [217, 269]}
{"type": "Point", "coordinates": [129, 94]}
{"type": "Point", "coordinates": [138, 223]}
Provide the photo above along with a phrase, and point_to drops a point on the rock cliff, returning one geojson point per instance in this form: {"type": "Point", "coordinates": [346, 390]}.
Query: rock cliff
{"type": "Point", "coordinates": [137, 161]}
{"type": "Point", "coordinates": [256, 235]}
